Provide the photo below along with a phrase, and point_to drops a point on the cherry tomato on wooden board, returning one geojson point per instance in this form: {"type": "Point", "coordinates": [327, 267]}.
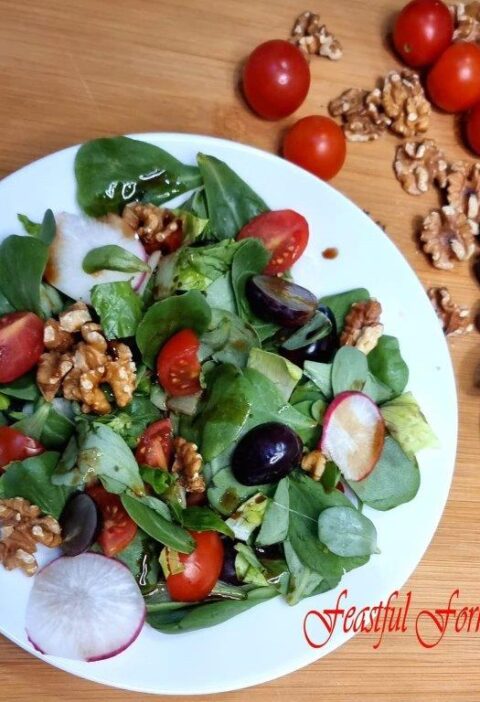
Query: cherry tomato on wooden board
{"type": "Point", "coordinates": [283, 232]}
{"type": "Point", "coordinates": [454, 81]}
{"type": "Point", "coordinates": [472, 128]}
{"type": "Point", "coordinates": [118, 530]}
{"type": "Point", "coordinates": [15, 446]}
{"type": "Point", "coordinates": [178, 367]}
{"type": "Point", "coordinates": [317, 144]}
{"type": "Point", "coordinates": [276, 79]}
{"type": "Point", "coordinates": [21, 344]}
{"type": "Point", "coordinates": [155, 447]}
{"type": "Point", "coordinates": [202, 568]}
{"type": "Point", "coordinates": [422, 32]}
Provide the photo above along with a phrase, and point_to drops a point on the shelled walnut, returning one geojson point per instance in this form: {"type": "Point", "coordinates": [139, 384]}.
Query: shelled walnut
{"type": "Point", "coordinates": [463, 190]}
{"type": "Point", "coordinates": [404, 102]}
{"type": "Point", "coordinates": [455, 319]}
{"type": "Point", "coordinates": [188, 463]}
{"type": "Point", "coordinates": [312, 37]}
{"type": "Point", "coordinates": [361, 113]}
{"type": "Point", "coordinates": [448, 236]}
{"type": "Point", "coordinates": [466, 18]}
{"type": "Point", "coordinates": [362, 327]}
{"type": "Point", "coordinates": [152, 224]}
{"type": "Point", "coordinates": [22, 527]}
{"type": "Point", "coordinates": [418, 164]}
{"type": "Point", "coordinates": [314, 464]}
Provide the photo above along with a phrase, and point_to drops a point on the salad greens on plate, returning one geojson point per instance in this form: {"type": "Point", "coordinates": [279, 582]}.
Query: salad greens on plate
{"type": "Point", "coordinates": [172, 401]}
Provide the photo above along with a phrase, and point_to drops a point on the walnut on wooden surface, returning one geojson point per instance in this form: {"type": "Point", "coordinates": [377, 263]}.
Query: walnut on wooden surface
{"type": "Point", "coordinates": [455, 319]}
{"type": "Point", "coordinates": [466, 18]}
{"type": "Point", "coordinates": [404, 101]}
{"type": "Point", "coordinates": [362, 327]}
{"type": "Point", "coordinates": [188, 463]}
{"type": "Point", "coordinates": [90, 361]}
{"type": "Point", "coordinates": [22, 527]}
{"type": "Point", "coordinates": [418, 164]}
{"type": "Point", "coordinates": [314, 464]}
{"type": "Point", "coordinates": [152, 224]}
{"type": "Point", "coordinates": [448, 236]}
{"type": "Point", "coordinates": [313, 38]}
{"type": "Point", "coordinates": [361, 113]}
{"type": "Point", "coordinates": [463, 190]}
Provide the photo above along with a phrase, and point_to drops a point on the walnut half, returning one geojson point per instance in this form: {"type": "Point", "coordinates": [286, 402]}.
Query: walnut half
{"type": "Point", "coordinates": [312, 37]}
{"type": "Point", "coordinates": [188, 463]}
{"type": "Point", "coordinates": [455, 320]}
{"type": "Point", "coordinates": [361, 113]}
{"type": "Point", "coordinates": [405, 103]}
{"type": "Point", "coordinates": [448, 236]}
{"type": "Point", "coordinates": [418, 164]}
{"type": "Point", "coordinates": [362, 327]}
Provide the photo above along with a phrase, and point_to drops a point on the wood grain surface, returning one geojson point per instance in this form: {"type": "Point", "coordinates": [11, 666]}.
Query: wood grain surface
{"type": "Point", "coordinates": [73, 70]}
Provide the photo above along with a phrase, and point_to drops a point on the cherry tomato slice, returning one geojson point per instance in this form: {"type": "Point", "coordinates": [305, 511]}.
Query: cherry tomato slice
{"type": "Point", "coordinates": [276, 79]}
{"type": "Point", "coordinates": [21, 344]}
{"type": "Point", "coordinates": [317, 144]}
{"type": "Point", "coordinates": [118, 530]}
{"type": "Point", "coordinates": [284, 233]}
{"type": "Point", "coordinates": [15, 446]}
{"type": "Point", "coordinates": [454, 81]}
{"type": "Point", "coordinates": [178, 367]}
{"type": "Point", "coordinates": [155, 447]}
{"type": "Point", "coordinates": [472, 129]}
{"type": "Point", "coordinates": [422, 32]}
{"type": "Point", "coordinates": [201, 569]}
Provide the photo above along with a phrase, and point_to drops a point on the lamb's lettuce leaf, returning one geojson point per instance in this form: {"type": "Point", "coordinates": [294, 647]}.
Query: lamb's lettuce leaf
{"type": "Point", "coordinates": [119, 308]}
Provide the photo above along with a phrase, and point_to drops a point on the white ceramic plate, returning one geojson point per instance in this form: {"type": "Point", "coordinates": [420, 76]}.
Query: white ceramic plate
{"type": "Point", "coordinates": [268, 641]}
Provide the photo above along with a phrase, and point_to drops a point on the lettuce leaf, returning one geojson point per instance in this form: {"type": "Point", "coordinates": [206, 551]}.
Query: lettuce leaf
{"type": "Point", "coordinates": [407, 424]}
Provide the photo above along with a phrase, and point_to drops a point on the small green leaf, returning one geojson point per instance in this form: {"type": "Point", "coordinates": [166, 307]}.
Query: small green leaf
{"type": "Point", "coordinates": [347, 532]}
{"type": "Point", "coordinates": [387, 365]}
{"type": "Point", "coordinates": [31, 479]}
{"type": "Point", "coordinates": [349, 370]}
{"type": "Point", "coordinates": [407, 424]}
{"type": "Point", "coordinates": [48, 228]}
{"type": "Point", "coordinates": [156, 526]}
{"type": "Point", "coordinates": [119, 308]}
{"type": "Point", "coordinates": [321, 375]}
{"type": "Point", "coordinates": [32, 228]}
{"type": "Point", "coordinates": [341, 302]}
{"type": "Point", "coordinates": [204, 519]}
{"type": "Point", "coordinates": [113, 258]}
{"type": "Point", "coordinates": [23, 260]}
{"type": "Point", "coordinates": [274, 527]}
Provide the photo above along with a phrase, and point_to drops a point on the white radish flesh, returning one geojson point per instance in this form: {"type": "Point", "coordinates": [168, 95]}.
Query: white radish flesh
{"type": "Point", "coordinates": [353, 434]}
{"type": "Point", "coordinates": [85, 608]}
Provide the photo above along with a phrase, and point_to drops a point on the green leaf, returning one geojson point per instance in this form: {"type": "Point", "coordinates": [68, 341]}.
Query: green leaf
{"type": "Point", "coordinates": [303, 580]}
{"type": "Point", "coordinates": [164, 318]}
{"type": "Point", "coordinates": [113, 171]}
{"type": "Point", "coordinates": [376, 391]}
{"type": "Point", "coordinates": [25, 388]}
{"type": "Point", "coordinates": [341, 302]}
{"type": "Point", "coordinates": [226, 493]}
{"type": "Point", "coordinates": [248, 568]}
{"type": "Point", "coordinates": [248, 516]}
{"type": "Point", "coordinates": [220, 294]}
{"type": "Point", "coordinates": [119, 308]}
{"type": "Point", "coordinates": [22, 263]}
{"type": "Point", "coordinates": [250, 259]}
{"type": "Point", "coordinates": [159, 480]}
{"type": "Point", "coordinates": [231, 202]}
{"type": "Point", "coordinates": [5, 306]}
{"type": "Point", "coordinates": [275, 521]}
{"type": "Point", "coordinates": [228, 339]}
{"type": "Point", "coordinates": [141, 558]}
{"type": "Point", "coordinates": [349, 370]}
{"type": "Point", "coordinates": [406, 423]}
{"type": "Point", "coordinates": [32, 480]}
{"type": "Point", "coordinates": [394, 480]}
{"type": "Point", "coordinates": [51, 302]}
{"type": "Point", "coordinates": [321, 375]}
{"type": "Point", "coordinates": [47, 425]}
{"type": "Point", "coordinates": [330, 476]}
{"type": "Point", "coordinates": [48, 228]}
{"type": "Point", "coordinates": [156, 526]}
{"type": "Point", "coordinates": [387, 364]}
{"type": "Point", "coordinates": [131, 422]}
{"type": "Point", "coordinates": [204, 519]}
{"type": "Point", "coordinates": [32, 228]}
{"type": "Point", "coordinates": [113, 258]}
{"type": "Point", "coordinates": [280, 371]}
{"type": "Point", "coordinates": [347, 532]}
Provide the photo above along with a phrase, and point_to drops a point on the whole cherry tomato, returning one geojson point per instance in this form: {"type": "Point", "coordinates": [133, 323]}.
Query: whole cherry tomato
{"type": "Point", "coordinates": [178, 367]}
{"type": "Point", "coordinates": [472, 128]}
{"type": "Point", "coordinates": [21, 344]}
{"type": "Point", "coordinates": [317, 144]}
{"type": "Point", "coordinates": [454, 81]}
{"type": "Point", "coordinates": [118, 530]}
{"type": "Point", "coordinates": [276, 79]}
{"type": "Point", "coordinates": [155, 447]}
{"type": "Point", "coordinates": [15, 446]}
{"type": "Point", "coordinates": [422, 32]}
{"type": "Point", "coordinates": [201, 570]}
{"type": "Point", "coordinates": [283, 232]}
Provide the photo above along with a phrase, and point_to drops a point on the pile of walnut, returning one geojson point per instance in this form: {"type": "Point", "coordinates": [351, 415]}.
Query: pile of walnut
{"type": "Point", "coordinates": [313, 37]}
{"type": "Point", "coordinates": [22, 527]}
{"type": "Point", "coordinates": [79, 360]}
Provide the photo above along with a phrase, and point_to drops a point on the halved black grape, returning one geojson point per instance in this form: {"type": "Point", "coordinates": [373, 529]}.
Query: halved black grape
{"type": "Point", "coordinates": [276, 300]}
{"type": "Point", "coordinates": [229, 574]}
{"type": "Point", "coordinates": [321, 351]}
{"type": "Point", "coordinates": [80, 523]}
{"type": "Point", "coordinates": [266, 454]}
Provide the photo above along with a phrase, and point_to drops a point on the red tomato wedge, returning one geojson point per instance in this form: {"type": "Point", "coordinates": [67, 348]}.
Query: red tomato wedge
{"type": "Point", "coordinates": [178, 367]}
{"type": "Point", "coordinates": [21, 344]}
{"type": "Point", "coordinates": [155, 447]}
{"type": "Point", "coordinates": [201, 569]}
{"type": "Point", "coordinates": [118, 530]}
{"type": "Point", "coordinates": [15, 446]}
{"type": "Point", "coordinates": [283, 232]}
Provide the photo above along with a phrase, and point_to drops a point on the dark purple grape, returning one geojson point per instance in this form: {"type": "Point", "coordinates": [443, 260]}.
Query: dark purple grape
{"type": "Point", "coordinates": [80, 523]}
{"type": "Point", "coordinates": [266, 454]}
{"type": "Point", "coordinates": [276, 300]}
{"type": "Point", "coordinates": [321, 351]}
{"type": "Point", "coordinates": [229, 574]}
{"type": "Point", "coordinates": [269, 553]}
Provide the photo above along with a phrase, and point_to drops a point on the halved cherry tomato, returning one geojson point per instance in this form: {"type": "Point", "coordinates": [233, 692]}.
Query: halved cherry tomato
{"type": "Point", "coordinates": [422, 32]}
{"type": "Point", "coordinates": [454, 81]}
{"type": "Point", "coordinates": [178, 367]}
{"type": "Point", "coordinates": [284, 233]}
{"type": "Point", "coordinates": [15, 446]}
{"type": "Point", "coordinates": [472, 129]}
{"type": "Point", "coordinates": [155, 447]}
{"type": "Point", "coordinates": [21, 344]}
{"type": "Point", "coordinates": [118, 530]}
{"type": "Point", "coordinates": [201, 569]}
{"type": "Point", "coordinates": [317, 144]}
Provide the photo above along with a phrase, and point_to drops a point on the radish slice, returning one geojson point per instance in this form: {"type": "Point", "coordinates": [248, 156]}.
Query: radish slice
{"type": "Point", "coordinates": [86, 608]}
{"type": "Point", "coordinates": [75, 237]}
{"type": "Point", "coordinates": [353, 434]}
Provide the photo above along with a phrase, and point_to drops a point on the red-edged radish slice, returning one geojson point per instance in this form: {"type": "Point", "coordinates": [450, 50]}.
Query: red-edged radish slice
{"type": "Point", "coordinates": [85, 608]}
{"type": "Point", "coordinates": [353, 434]}
{"type": "Point", "coordinates": [75, 237]}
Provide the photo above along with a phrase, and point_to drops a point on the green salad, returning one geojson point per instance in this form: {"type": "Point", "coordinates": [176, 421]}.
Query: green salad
{"type": "Point", "coordinates": [175, 401]}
